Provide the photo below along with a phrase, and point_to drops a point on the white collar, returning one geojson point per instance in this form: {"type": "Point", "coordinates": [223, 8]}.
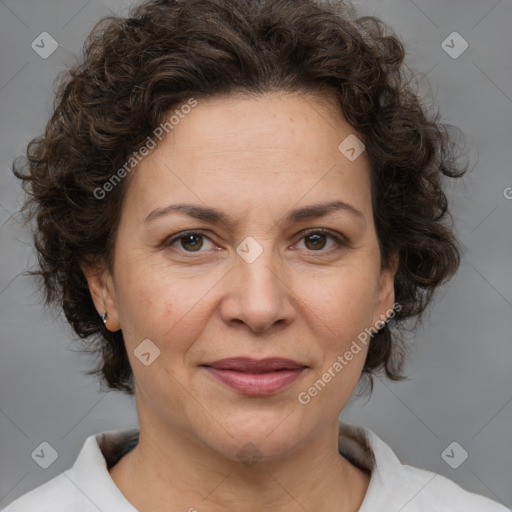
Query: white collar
{"type": "Point", "coordinates": [101, 451]}
{"type": "Point", "coordinates": [393, 485]}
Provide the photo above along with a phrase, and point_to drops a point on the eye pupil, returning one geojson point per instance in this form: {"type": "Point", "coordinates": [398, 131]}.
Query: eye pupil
{"type": "Point", "coordinates": [186, 239]}
{"type": "Point", "coordinates": [316, 238]}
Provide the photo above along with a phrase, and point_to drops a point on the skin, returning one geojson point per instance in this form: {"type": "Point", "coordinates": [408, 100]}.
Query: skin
{"type": "Point", "coordinates": [255, 158]}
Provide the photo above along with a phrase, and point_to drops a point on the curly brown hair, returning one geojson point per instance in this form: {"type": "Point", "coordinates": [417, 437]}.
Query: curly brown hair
{"type": "Point", "coordinates": [135, 70]}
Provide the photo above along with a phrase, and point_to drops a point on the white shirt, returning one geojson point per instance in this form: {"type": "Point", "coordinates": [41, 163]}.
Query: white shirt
{"type": "Point", "coordinates": [88, 487]}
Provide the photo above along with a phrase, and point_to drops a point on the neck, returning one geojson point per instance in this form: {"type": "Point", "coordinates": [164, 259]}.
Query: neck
{"type": "Point", "coordinates": [171, 468]}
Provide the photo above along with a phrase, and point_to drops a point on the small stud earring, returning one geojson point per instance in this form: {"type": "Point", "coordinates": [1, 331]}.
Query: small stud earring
{"type": "Point", "coordinates": [104, 317]}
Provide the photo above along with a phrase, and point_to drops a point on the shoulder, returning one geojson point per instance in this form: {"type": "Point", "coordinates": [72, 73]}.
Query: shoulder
{"type": "Point", "coordinates": [87, 485]}
{"type": "Point", "coordinates": [57, 494]}
{"type": "Point", "coordinates": [398, 486]}
{"type": "Point", "coordinates": [434, 491]}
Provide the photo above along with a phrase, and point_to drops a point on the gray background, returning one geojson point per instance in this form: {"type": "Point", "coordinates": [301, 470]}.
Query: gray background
{"type": "Point", "coordinates": [461, 384]}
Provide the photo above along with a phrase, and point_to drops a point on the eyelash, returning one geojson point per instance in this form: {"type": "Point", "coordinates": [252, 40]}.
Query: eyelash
{"type": "Point", "coordinates": [340, 241]}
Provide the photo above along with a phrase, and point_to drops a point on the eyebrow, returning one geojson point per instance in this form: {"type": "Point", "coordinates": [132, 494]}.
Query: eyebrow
{"type": "Point", "coordinates": [214, 216]}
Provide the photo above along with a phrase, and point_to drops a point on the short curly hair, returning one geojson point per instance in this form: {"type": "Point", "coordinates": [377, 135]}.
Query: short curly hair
{"type": "Point", "coordinates": [135, 70]}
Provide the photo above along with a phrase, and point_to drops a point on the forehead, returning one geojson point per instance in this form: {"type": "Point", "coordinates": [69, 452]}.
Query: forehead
{"type": "Point", "coordinates": [279, 123]}
{"type": "Point", "coordinates": [254, 150]}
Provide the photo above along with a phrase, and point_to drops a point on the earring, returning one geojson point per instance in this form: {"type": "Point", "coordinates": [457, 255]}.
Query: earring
{"type": "Point", "coordinates": [104, 317]}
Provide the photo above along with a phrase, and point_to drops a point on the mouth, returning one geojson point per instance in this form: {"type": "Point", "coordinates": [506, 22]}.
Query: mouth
{"type": "Point", "coordinates": [256, 377]}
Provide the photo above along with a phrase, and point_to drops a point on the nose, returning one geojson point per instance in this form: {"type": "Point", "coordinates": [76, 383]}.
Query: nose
{"type": "Point", "coordinates": [259, 293]}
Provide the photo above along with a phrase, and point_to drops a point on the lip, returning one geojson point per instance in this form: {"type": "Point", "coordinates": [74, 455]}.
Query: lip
{"type": "Point", "coordinates": [256, 377]}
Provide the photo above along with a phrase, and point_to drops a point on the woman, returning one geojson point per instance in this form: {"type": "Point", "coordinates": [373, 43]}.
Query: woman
{"type": "Point", "coordinates": [240, 202]}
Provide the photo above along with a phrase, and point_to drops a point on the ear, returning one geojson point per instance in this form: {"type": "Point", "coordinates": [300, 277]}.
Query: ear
{"type": "Point", "coordinates": [386, 294]}
{"type": "Point", "coordinates": [101, 287]}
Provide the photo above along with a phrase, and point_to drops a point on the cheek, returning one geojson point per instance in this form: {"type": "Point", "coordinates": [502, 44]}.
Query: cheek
{"type": "Point", "coordinates": [344, 301]}
{"type": "Point", "coordinates": [162, 306]}
{"type": "Point", "coordinates": [340, 310]}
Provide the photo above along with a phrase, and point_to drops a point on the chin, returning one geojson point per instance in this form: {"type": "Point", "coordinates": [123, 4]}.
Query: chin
{"type": "Point", "coordinates": [256, 434]}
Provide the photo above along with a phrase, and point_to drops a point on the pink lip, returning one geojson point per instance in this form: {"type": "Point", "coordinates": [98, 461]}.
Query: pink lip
{"type": "Point", "coordinates": [256, 377]}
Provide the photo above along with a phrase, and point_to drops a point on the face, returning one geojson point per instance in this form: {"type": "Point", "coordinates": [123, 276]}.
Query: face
{"type": "Point", "coordinates": [250, 279]}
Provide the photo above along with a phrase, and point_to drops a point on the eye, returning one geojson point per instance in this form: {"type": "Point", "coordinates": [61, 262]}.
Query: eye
{"type": "Point", "coordinates": [315, 240]}
{"type": "Point", "coordinates": [188, 240]}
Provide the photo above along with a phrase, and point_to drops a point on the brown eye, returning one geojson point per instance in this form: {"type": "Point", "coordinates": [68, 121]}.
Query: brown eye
{"type": "Point", "coordinates": [316, 240]}
{"type": "Point", "coordinates": [188, 242]}
{"type": "Point", "coordinates": [193, 241]}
